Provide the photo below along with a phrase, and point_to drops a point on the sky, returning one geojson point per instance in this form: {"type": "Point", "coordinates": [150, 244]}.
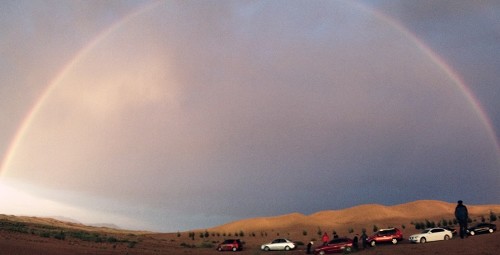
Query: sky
{"type": "Point", "coordinates": [178, 115]}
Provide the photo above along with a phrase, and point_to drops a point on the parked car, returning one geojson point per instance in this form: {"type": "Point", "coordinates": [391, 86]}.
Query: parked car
{"type": "Point", "coordinates": [482, 228]}
{"type": "Point", "coordinates": [430, 235]}
{"type": "Point", "coordinates": [230, 245]}
{"type": "Point", "coordinates": [278, 244]}
{"type": "Point", "coordinates": [453, 231]}
{"type": "Point", "coordinates": [389, 235]}
{"type": "Point", "coordinates": [335, 245]}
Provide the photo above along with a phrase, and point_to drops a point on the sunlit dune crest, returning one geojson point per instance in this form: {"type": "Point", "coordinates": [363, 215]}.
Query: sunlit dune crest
{"type": "Point", "coordinates": [358, 216]}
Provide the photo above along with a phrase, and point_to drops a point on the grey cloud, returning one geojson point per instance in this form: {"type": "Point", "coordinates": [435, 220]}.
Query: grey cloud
{"type": "Point", "coordinates": [312, 107]}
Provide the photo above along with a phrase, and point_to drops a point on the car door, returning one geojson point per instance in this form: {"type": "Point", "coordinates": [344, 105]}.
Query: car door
{"type": "Point", "coordinates": [436, 234]}
{"type": "Point", "coordinates": [333, 246]}
{"type": "Point", "coordinates": [277, 244]}
{"type": "Point", "coordinates": [482, 228]}
{"type": "Point", "coordinates": [386, 236]}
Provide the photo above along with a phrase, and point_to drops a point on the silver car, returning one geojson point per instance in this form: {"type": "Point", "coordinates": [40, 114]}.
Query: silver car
{"type": "Point", "coordinates": [278, 244]}
{"type": "Point", "coordinates": [431, 234]}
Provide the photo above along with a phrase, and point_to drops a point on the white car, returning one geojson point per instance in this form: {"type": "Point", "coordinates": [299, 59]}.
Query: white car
{"type": "Point", "coordinates": [431, 234]}
{"type": "Point", "coordinates": [278, 244]}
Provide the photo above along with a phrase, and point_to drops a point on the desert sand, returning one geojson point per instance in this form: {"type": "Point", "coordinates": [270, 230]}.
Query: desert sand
{"type": "Point", "coordinates": [31, 235]}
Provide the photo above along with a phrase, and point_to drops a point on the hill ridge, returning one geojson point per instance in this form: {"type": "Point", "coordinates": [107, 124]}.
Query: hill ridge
{"type": "Point", "coordinates": [364, 215]}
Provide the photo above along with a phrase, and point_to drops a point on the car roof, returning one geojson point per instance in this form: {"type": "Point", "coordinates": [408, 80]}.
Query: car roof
{"type": "Point", "coordinates": [386, 229]}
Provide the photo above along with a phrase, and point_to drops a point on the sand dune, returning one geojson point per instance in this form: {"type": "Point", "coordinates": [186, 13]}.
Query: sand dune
{"type": "Point", "coordinates": [295, 226]}
{"type": "Point", "coordinates": [358, 216]}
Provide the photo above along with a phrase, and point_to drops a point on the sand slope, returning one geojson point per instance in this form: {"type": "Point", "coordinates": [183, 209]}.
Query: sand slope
{"type": "Point", "coordinates": [362, 215]}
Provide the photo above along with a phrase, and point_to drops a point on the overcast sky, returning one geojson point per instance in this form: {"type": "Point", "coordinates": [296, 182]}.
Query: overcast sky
{"type": "Point", "coordinates": [177, 115]}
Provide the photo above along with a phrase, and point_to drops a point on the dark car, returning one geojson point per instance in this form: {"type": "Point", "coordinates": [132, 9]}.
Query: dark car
{"type": "Point", "coordinates": [389, 235]}
{"type": "Point", "coordinates": [453, 231]}
{"type": "Point", "coordinates": [335, 245]}
{"type": "Point", "coordinates": [230, 245]}
{"type": "Point", "coordinates": [482, 228]}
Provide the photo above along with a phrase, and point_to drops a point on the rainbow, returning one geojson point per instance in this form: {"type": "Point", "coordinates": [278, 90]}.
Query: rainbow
{"type": "Point", "coordinates": [426, 50]}
{"type": "Point", "coordinates": [28, 119]}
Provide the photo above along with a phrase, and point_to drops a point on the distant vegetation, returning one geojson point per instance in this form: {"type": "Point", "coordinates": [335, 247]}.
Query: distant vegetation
{"type": "Point", "coordinates": [452, 222]}
{"type": "Point", "coordinates": [48, 231]}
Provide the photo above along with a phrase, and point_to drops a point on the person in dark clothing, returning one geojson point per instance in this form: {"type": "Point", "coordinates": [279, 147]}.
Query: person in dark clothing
{"type": "Point", "coordinates": [355, 242]}
{"type": "Point", "coordinates": [363, 239]}
{"type": "Point", "coordinates": [335, 236]}
{"type": "Point", "coordinates": [309, 245]}
{"type": "Point", "coordinates": [462, 215]}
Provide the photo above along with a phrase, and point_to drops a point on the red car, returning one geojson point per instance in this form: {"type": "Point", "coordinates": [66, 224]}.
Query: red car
{"type": "Point", "coordinates": [334, 246]}
{"type": "Point", "coordinates": [230, 245]}
{"type": "Point", "coordinates": [390, 235]}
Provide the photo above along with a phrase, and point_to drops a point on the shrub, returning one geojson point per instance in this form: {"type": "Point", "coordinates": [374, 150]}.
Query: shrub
{"type": "Point", "coordinates": [45, 234]}
{"type": "Point", "coordinates": [444, 223]}
{"type": "Point", "coordinates": [186, 245]}
{"type": "Point", "coordinates": [60, 235]}
{"type": "Point", "coordinates": [419, 225]}
{"type": "Point", "coordinates": [207, 245]}
{"type": "Point", "coordinates": [429, 224]}
{"type": "Point", "coordinates": [304, 232]}
{"type": "Point", "coordinates": [375, 228]}
{"type": "Point", "coordinates": [493, 217]}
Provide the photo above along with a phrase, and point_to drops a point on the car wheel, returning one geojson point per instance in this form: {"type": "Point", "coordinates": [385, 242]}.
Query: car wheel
{"type": "Point", "coordinates": [322, 253]}
{"type": "Point", "coordinates": [490, 230]}
{"type": "Point", "coordinates": [446, 237]}
{"type": "Point", "coordinates": [373, 243]}
{"type": "Point", "coordinates": [266, 248]}
{"type": "Point", "coordinates": [287, 248]}
{"type": "Point", "coordinates": [235, 249]}
{"type": "Point", "coordinates": [423, 240]}
{"type": "Point", "coordinates": [394, 241]}
{"type": "Point", "coordinates": [219, 249]}
{"type": "Point", "coordinates": [472, 233]}
{"type": "Point", "coordinates": [347, 249]}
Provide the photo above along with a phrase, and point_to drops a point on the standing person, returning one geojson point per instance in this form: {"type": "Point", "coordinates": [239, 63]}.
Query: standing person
{"type": "Point", "coordinates": [325, 238]}
{"type": "Point", "coordinates": [355, 242]}
{"type": "Point", "coordinates": [363, 239]}
{"type": "Point", "coordinates": [462, 215]}
{"type": "Point", "coordinates": [309, 245]}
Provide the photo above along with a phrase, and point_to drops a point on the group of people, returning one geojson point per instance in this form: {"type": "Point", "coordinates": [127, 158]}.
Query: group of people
{"type": "Point", "coordinates": [461, 214]}
{"type": "Point", "coordinates": [355, 241]}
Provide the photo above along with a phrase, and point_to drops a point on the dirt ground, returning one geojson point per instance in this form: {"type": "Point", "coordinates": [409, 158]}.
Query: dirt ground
{"type": "Point", "coordinates": [12, 243]}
